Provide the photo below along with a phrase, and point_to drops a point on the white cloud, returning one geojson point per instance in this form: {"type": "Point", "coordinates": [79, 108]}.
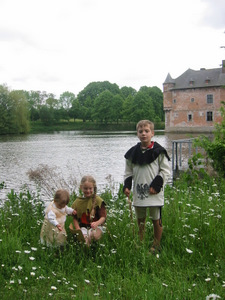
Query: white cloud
{"type": "Point", "coordinates": [60, 46]}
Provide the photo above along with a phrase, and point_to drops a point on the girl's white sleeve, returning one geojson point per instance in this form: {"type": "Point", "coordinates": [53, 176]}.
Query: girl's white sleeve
{"type": "Point", "coordinates": [69, 210]}
{"type": "Point", "coordinates": [52, 218]}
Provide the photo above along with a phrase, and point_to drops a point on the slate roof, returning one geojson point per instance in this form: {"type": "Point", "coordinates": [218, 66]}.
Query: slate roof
{"type": "Point", "coordinates": [215, 78]}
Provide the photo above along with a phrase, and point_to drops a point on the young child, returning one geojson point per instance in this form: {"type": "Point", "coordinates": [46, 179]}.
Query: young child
{"type": "Point", "coordinates": [91, 211]}
{"type": "Point", "coordinates": [53, 229]}
{"type": "Point", "coordinates": [147, 164]}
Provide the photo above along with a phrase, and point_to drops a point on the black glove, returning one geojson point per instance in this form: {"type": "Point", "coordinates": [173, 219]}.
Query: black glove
{"type": "Point", "coordinates": [127, 183]}
{"type": "Point", "coordinates": [157, 183]}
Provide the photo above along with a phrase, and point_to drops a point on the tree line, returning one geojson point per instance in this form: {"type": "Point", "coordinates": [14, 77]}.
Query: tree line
{"type": "Point", "coordinates": [102, 102]}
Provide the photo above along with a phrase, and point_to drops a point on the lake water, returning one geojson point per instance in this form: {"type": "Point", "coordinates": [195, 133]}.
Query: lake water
{"type": "Point", "coordinates": [69, 155]}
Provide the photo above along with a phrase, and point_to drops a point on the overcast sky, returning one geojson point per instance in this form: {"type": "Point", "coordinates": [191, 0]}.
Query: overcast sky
{"type": "Point", "coordinates": [63, 45]}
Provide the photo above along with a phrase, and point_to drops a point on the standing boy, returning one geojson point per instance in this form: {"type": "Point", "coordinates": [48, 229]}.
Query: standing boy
{"type": "Point", "coordinates": [147, 164]}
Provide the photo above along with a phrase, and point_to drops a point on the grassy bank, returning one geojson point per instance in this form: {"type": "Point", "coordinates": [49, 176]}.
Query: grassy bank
{"type": "Point", "coordinates": [190, 266]}
{"type": "Point", "coordinates": [38, 127]}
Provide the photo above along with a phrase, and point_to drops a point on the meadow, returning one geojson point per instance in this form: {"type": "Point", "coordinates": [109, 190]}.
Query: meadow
{"type": "Point", "coordinates": [191, 264]}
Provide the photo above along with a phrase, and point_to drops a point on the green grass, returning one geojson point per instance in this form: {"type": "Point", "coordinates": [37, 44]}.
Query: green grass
{"type": "Point", "coordinates": [190, 266]}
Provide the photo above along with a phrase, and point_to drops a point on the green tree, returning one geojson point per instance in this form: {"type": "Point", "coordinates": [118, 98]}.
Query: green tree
{"type": "Point", "coordinates": [127, 108]}
{"type": "Point", "coordinates": [103, 108]}
{"type": "Point", "coordinates": [94, 89]}
{"type": "Point", "coordinates": [215, 149]}
{"type": "Point", "coordinates": [127, 91]}
{"type": "Point", "coordinates": [47, 115]}
{"type": "Point", "coordinates": [66, 99]}
{"type": "Point", "coordinates": [116, 109]}
{"type": "Point", "coordinates": [5, 110]}
{"type": "Point", "coordinates": [75, 110]}
{"type": "Point", "coordinates": [20, 112]}
{"type": "Point", "coordinates": [142, 107]}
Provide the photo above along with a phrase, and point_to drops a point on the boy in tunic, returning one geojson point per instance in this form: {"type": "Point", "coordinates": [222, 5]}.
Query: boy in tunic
{"type": "Point", "coordinates": [147, 165]}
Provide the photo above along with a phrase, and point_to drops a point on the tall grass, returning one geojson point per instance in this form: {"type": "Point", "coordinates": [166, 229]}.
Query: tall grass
{"type": "Point", "coordinates": [191, 264]}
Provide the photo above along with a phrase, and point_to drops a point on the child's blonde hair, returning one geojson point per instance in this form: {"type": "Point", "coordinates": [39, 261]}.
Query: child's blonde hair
{"type": "Point", "coordinates": [62, 197]}
{"type": "Point", "coordinates": [144, 123]}
{"type": "Point", "coordinates": [89, 178]}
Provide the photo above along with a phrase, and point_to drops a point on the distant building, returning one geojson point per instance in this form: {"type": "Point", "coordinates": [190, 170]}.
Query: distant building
{"type": "Point", "coordinates": [192, 101]}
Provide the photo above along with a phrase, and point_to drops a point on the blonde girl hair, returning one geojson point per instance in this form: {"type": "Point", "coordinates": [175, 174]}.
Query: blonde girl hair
{"type": "Point", "coordinates": [89, 178]}
{"type": "Point", "coordinates": [62, 197]}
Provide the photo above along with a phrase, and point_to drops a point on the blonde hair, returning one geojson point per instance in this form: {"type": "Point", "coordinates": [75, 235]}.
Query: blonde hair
{"type": "Point", "coordinates": [89, 178]}
{"type": "Point", "coordinates": [62, 197]}
{"type": "Point", "coordinates": [144, 123]}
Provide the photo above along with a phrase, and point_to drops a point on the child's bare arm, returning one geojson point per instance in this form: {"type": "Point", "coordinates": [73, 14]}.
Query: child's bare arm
{"type": "Point", "coordinates": [59, 227]}
{"type": "Point", "coordinates": [76, 224]}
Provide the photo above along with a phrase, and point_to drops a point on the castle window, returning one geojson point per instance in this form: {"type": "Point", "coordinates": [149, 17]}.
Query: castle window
{"type": "Point", "coordinates": [189, 117]}
{"type": "Point", "coordinates": [192, 99]}
{"type": "Point", "coordinates": [191, 82]}
{"type": "Point", "coordinates": [207, 81]}
{"type": "Point", "coordinates": [174, 100]}
{"type": "Point", "coordinates": [209, 116]}
{"type": "Point", "coordinates": [209, 99]}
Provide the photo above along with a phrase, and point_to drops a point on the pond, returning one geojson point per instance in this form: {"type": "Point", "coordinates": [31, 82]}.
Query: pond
{"type": "Point", "coordinates": [70, 155]}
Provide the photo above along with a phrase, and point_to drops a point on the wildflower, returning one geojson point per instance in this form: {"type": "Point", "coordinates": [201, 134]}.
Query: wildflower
{"type": "Point", "coordinates": [34, 268]}
{"type": "Point", "coordinates": [87, 281]}
{"type": "Point", "coordinates": [164, 284]}
{"type": "Point", "coordinates": [207, 279]}
{"type": "Point", "coordinates": [192, 235]}
{"type": "Point", "coordinates": [18, 251]}
{"type": "Point", "coordinates": [34, 249]}
{"type": "Point", "coordinates": [53, 287]}
{"type": "Point", "coordinates": [31, 258]}
{"type": "Point", "coordinates": [113, 251]}
{"type": "Point", "coordinates": [212, 296]}
{"type": "Point", "coordinates": [32, 273]}
{"type": "Point", "coordinates": [96, 294]}
{"type": "Point", "coordinates": [99, 267]}
{"type": "Point", "coordinates": [189, 251]}
{"type": "Point", "coordinates": [218, 216]}
{"type": "Point", "coordinates": [11, 281]}
{"type": "Point", "coordinates": [27, 251]}
{"type": "Point", "coordinates": [20, 268]}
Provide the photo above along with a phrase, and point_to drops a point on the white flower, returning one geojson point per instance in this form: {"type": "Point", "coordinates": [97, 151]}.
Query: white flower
{"type": "Point", "coordinates": [87, 281]}
{"type": "Point", "coordinates": [18, 251]}
{"type": "Point", "coordinates": [212, 296]}
{"type": "Point", "coordinates": [53, 287]}
{"type": "Point", "coordinates": [207, 279]}
{"type": "Point", "coordinates": [164, 284]}
{"type": "Point", "coordinates": [27, 251]}
{"type": "Point", "coordinates": [32, 273]}
{"type": "Point", "coordinates": [31, 258]}
{"type": "Point", "coordinates": [189, 251]}
{"type": "Point", "coordinates": [34, 249]}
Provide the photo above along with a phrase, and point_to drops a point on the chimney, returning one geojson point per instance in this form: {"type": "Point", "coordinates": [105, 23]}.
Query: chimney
{"type": "Point", "coordinates": [223, 66]}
